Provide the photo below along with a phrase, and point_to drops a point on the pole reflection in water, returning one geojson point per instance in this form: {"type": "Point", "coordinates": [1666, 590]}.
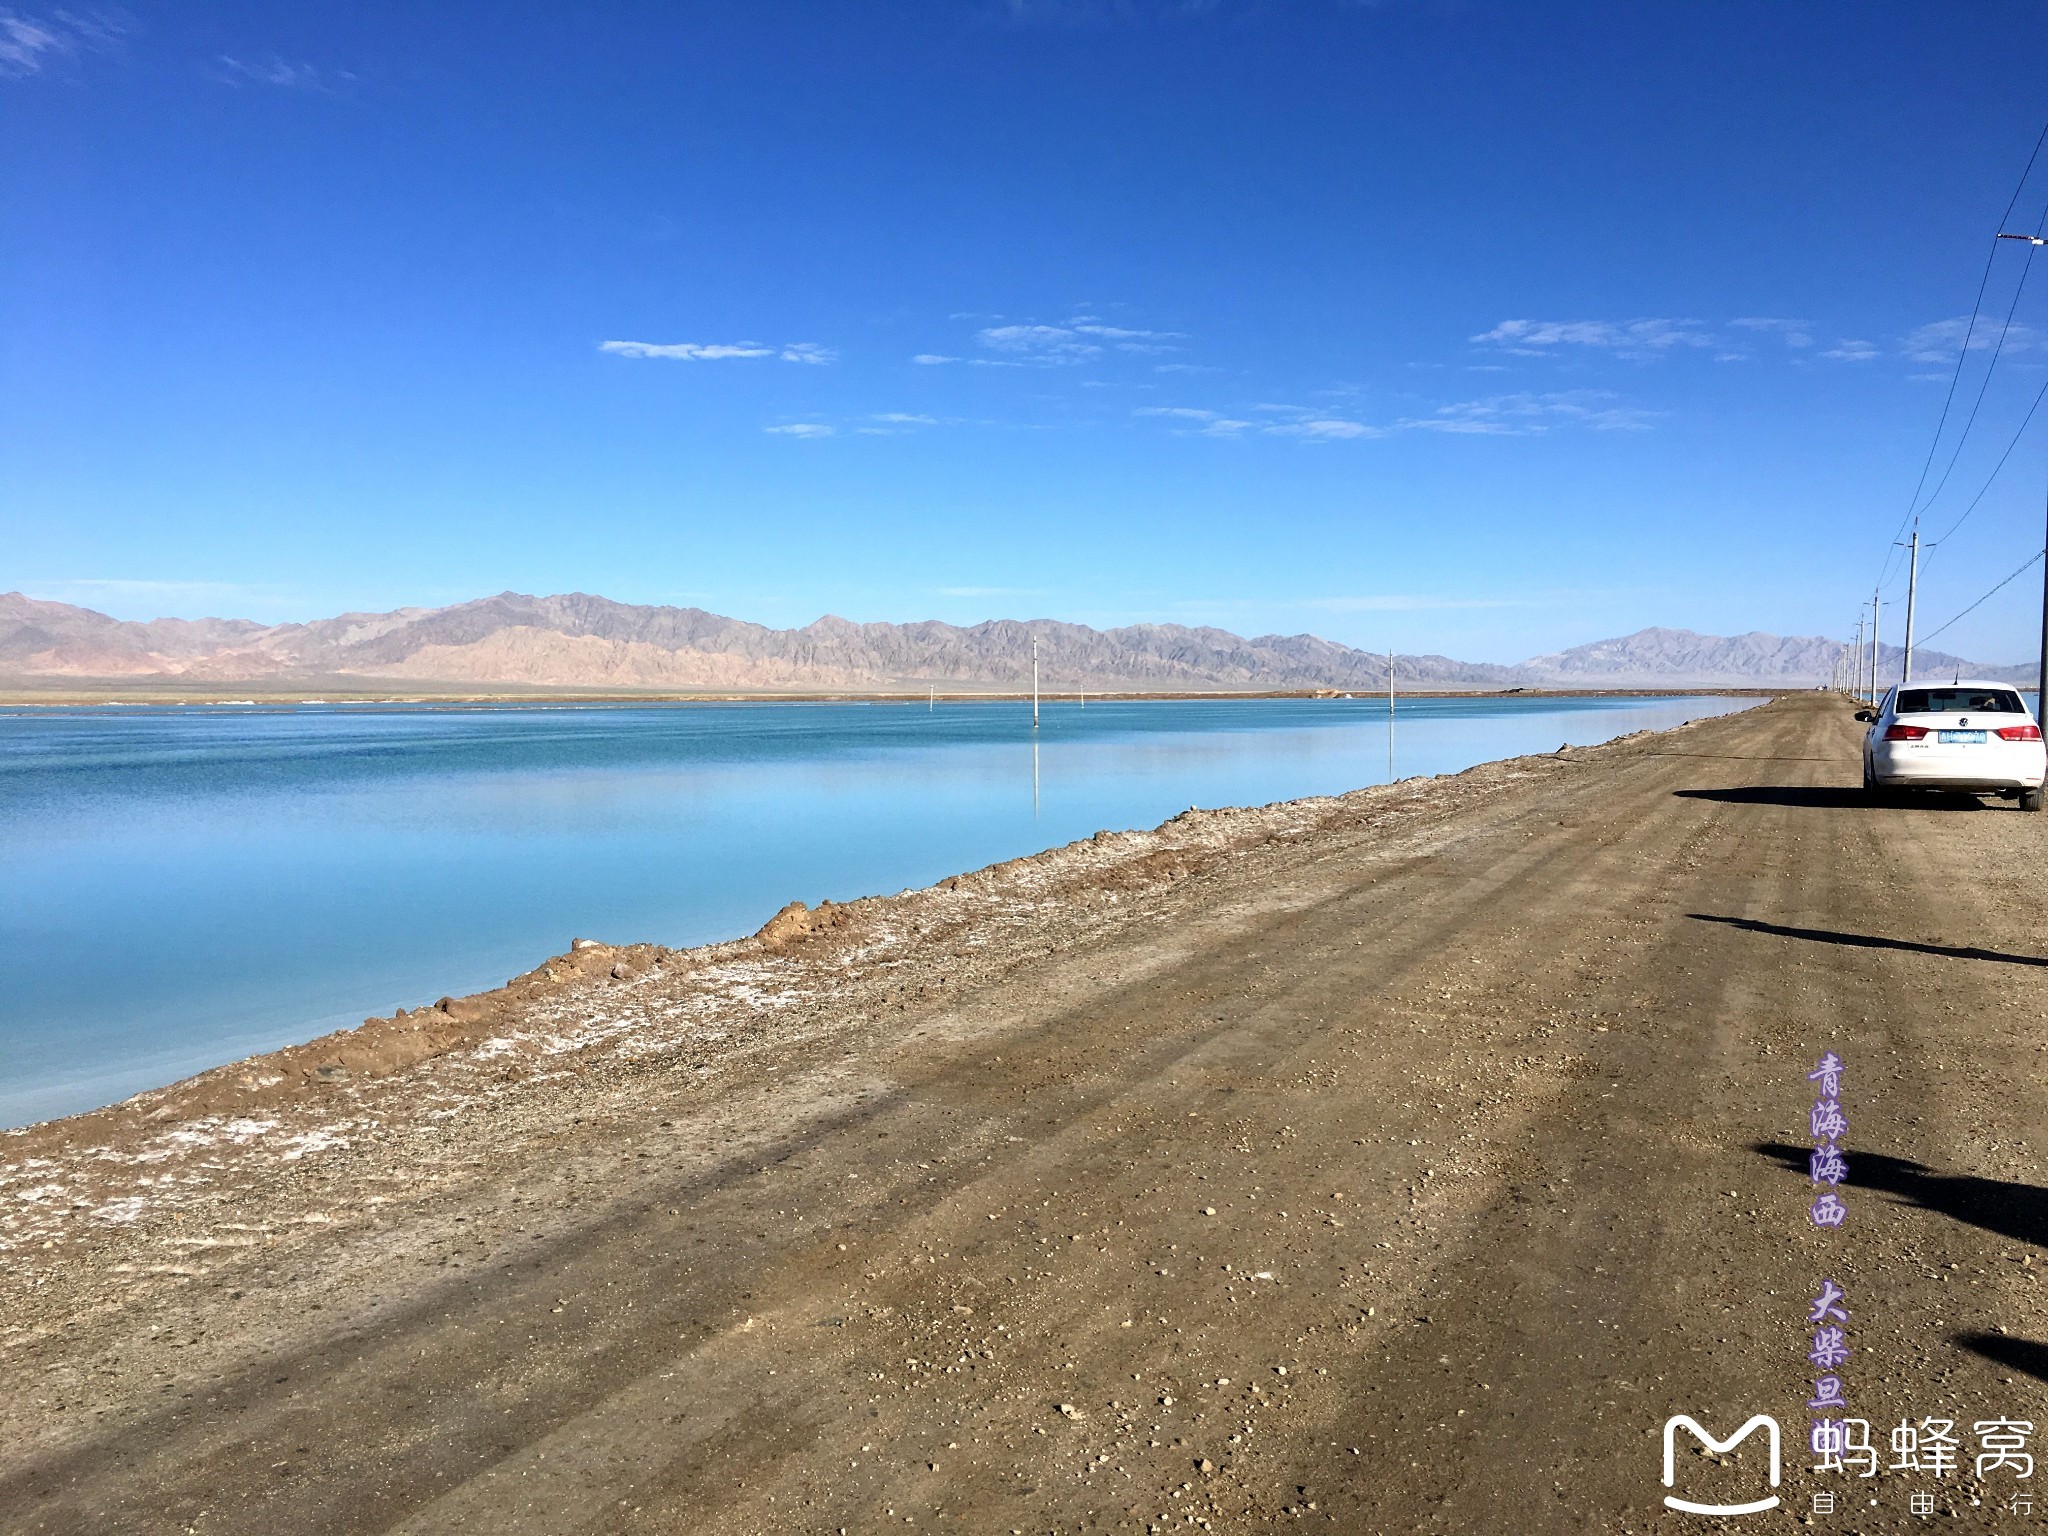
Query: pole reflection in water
{"type": "Point", "coordinates": [1390, 714]}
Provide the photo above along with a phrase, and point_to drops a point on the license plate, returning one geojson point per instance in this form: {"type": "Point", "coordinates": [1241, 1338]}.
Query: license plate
{"type": "Point", "coordinates": [1960, 738]}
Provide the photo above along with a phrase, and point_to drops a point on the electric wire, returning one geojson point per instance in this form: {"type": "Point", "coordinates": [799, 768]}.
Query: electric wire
{"type": "Point", "coordinates": [1962, 356]}
{"type": "Point", "coordinates": [1989, 368]}
{"type": "Point", "coordinates": [2032, 561]}
{"type": "Point", "coordinates": [1941, 423]}
{"type": "Point", "coordinates": [1931, 547]}
{"type": "Point", "coordinates": [2040, 395]}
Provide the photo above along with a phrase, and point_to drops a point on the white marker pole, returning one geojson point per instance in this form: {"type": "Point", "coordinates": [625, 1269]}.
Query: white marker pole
{"type": "Point", "coordinates": [1034, 683]}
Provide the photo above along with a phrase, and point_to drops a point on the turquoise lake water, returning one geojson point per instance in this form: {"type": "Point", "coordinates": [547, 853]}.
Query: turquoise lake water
{"type": "Point", "coordinates": [183, 886]}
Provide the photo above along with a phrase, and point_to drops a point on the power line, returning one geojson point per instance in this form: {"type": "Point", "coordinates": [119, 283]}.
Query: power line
{"type": "Point", "coordinates": [1989, 368]}
{"type": "Point", "coordinates": [2015, 576]}
{"type": "Point", "coordinates": [2041, 395]}
{"type": "Point", "coordinates": [1948, 400]}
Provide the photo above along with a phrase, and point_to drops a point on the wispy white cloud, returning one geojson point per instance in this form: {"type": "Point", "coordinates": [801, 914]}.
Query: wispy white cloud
{"type": "Point", "coordinates": [1312, 426]}
{"type": "Point", "coordinates": [272, 70]}
{"type": "Point", "coordinates": [1526, 414]}
{"type": "Point", "coordinates": [1126, 338]}
{"type": "Point", "coordinates": [1641, 340]}
{"type": "Point", "coordinates": [1636, 339]}
{"type": "Point", "coordinates": [933, 359]}
{"type": "Point", "coordinates": [1090, 327]}
{"type": "Point", "coordinates": [1511, 415]}
{"type": "Point", "coordinates": [1323, 429]}
{"type": "Point", "coordinates": [30, 44]}
{"type": "Point", "coordinates": [1077, 340]}
{"type": "Point", "coordinates": [1040, 343]}
{"type": "Point", "coordinates": [1795, 333]}
{"type": "Point", "coordinates": [894, 423]}
{"type": "Point", "coordinates": [27, 45]}
{"type": "Point", "coordinates": [1315, 424]}
{"type": "Point", "coordinates": [686, 350]}
{"type": "Point", "coordinates": [801, 429]}
{"type": "Point", "coordinates": [1943, 340]}
{"type": "Point", "coordinates": [694, 351]}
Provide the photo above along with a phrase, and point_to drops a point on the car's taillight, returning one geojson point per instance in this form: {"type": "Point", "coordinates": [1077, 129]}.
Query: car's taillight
{"type": "Point", "coordinates": [2020, 733]}
{"type": "Point", "coordinates": [1907, 732]}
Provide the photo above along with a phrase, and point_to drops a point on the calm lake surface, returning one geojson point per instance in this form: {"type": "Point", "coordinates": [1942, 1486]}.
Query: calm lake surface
{"type": "Point", "coordinates": [184, 886]}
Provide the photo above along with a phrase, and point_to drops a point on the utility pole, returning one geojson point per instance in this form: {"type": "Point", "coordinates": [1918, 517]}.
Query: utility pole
{"type": "Point", "coordinates": [1856, 658]}
{"type": "Point", "coordinates": [1874, 606]}
{"type": "Point", "coordinates": [1912, 592]}
{"type": "Point", "coordinates": [1034, 689]}
{"type": "Point", "coordinates": [1390, 714]}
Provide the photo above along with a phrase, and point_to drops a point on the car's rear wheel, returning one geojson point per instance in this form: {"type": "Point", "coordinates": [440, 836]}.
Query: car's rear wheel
{"type": "Point", "coordinates": [2030, 799]}
{"type": "Point", "coordinates": [1870, 789]}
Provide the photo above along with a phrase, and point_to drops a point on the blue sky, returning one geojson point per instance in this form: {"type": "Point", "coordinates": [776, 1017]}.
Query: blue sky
{"type": "Point", "coordinates": [1485, 328]}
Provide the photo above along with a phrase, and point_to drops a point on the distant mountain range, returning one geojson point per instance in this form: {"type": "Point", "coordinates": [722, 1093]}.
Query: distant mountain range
{"type": "Point", "coordinates": [1654, 657]}
{"type": "Point", "coordinates": [580, 642]}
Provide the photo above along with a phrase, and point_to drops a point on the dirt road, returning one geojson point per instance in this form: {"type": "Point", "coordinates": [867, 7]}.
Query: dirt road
{"type": "Point", "coordinates": [1408, 1187]}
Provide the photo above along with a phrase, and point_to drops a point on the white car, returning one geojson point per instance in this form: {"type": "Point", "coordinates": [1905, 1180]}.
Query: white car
{"type": "Point", "coordinates": [1976, 738]}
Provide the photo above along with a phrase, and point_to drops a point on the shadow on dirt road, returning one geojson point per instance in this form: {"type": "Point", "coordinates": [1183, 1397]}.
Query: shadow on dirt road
{"type": "Point", "coordinates": [2028, 1356]}
{"type": "Point", "coordinates": [1806, 797]}
{"type": "Point", "coordinates": [2005, 1206]}
{"type": "Point", "coordinates": [1867, 940]}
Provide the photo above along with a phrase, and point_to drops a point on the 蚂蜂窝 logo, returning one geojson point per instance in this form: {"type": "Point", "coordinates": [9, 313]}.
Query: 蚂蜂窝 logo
{"type": "Point", "coordinates": [1685, 1420]}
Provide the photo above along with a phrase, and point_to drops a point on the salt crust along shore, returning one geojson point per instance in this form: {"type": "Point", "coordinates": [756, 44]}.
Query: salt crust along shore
{"type": "Point", "coordinates": [477, 1100]}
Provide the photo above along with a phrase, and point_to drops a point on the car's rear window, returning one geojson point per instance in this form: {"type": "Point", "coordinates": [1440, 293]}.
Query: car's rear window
{"type": "Point", "coordinates": [1959, 701]}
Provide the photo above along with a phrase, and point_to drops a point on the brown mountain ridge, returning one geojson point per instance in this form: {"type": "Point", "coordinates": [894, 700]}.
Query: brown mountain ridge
{"type": "Point", "coordinates": [575, 640]}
